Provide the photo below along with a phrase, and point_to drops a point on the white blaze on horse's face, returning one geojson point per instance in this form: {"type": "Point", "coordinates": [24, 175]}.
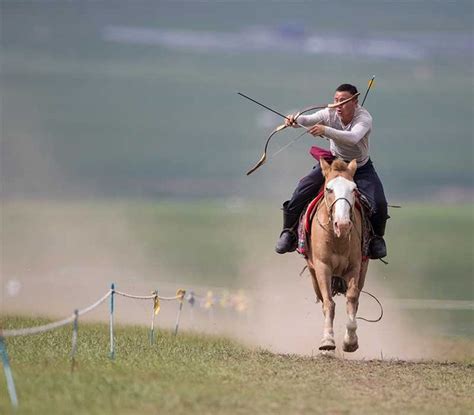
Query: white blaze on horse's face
{"type": "Point", "coordinates": [342, 198]}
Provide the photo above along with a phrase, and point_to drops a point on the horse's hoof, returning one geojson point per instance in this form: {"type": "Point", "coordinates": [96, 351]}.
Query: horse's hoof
{"type": "Point", "coordinates": [327, 344]}
{"type": "Point", "coordinates": [350, 347]}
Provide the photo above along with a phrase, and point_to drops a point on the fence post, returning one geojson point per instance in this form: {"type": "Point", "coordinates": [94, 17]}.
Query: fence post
{"type": "Point", "coordinates": [156, 305]}
{"type": "Point", "coordinates": [8, 374]}
{"type": "Point", "coordinates": [111, 324]}
{"type": "Point", "coordinates": [180, 294]}
{"type": "Point", "coordinates": [74, 340]}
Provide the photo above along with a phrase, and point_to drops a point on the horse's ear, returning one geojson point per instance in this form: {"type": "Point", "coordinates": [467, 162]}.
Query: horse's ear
{"type": "Point", "coordinates": [325, 166]}
{"type": "Point", "coordinates": [352, 167]}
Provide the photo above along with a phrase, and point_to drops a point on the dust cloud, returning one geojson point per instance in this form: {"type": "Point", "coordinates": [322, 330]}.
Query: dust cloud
{"type": "Point", "coordinates": [282, 313]}
{"type": "Point", "coordinates": [69, 253]}
{"type": "Point", "coordinates": [288, 319]}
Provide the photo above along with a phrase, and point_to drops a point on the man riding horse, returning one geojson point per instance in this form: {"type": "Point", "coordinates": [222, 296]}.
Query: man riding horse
{"type": "Point", "coordinates": [347, 127]}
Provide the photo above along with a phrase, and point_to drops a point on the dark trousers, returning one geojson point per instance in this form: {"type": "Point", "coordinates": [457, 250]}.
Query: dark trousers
{"type": "Point", "coordinates": [367, 181]}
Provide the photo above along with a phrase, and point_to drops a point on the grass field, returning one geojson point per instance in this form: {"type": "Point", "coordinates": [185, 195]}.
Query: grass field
{"type": "Point", "coordinates": [197, 374]}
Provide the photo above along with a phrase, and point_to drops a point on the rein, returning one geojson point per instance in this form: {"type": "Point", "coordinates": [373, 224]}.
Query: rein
{"type": "Point", "coordinates": [329, 208]}
{"type": "Point", "coordinates": [380, 305]}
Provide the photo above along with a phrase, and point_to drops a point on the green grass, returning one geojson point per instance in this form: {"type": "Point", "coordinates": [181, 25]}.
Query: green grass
{"type": "Point", "coordinates": [430, 251]}
{"type": "Point", "coordinates": [197, 374]}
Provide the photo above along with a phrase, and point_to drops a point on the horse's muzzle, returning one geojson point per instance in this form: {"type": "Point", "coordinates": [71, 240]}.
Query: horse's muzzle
{"type": "Point", "coordinates": [342, 228]}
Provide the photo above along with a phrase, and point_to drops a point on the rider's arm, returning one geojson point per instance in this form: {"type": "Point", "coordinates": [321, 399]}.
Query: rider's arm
{"type": "Point", "coordinates": [312, 119]}
{"type": "Point", "coordinates": [356, 133]}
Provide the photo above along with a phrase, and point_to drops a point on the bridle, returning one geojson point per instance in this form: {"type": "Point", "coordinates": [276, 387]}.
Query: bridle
{"type": "Point", "coordinates": [329, 208]}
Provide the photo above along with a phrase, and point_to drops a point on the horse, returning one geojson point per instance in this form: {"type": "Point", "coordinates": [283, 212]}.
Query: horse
{"type": "Point", "coordinates": [334, 249]}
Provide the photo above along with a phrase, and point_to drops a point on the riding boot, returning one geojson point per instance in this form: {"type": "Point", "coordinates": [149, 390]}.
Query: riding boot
{"type": "Point", "coordinates": [377, 247]}
{"type": "Point", "coordinates": [288, 240]}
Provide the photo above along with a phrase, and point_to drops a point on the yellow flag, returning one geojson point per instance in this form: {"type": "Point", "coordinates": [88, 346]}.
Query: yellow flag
{"type": "Point", "coordinates": [225, 299]}
{"type": "Point", "coordinates": [156, 303]}
{"type": "Point", "coordinates": [180, 294]}
{"type": "Point", "coordinates": [209, 302]}
{"type": "Point", "coordinates": [241, 302]}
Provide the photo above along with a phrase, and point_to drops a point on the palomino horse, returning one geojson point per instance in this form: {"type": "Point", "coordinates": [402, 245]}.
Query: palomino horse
{"type": "Point", "coordinates": [335, 249]}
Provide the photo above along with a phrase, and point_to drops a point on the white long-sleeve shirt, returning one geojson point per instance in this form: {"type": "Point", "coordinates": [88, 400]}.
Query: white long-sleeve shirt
{"type": "Point", "coordinates": [349, 141]}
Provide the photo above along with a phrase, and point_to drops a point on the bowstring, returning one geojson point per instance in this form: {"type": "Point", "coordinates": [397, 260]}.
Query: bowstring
{"type": "Point", "coordinates": [292, 141]}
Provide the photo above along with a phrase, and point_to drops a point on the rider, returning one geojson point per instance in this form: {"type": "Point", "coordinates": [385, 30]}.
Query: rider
{"type": "Point", "coordinates": [348, 128]}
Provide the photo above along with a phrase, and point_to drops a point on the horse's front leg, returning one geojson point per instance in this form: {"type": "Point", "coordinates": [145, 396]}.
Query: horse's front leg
{"type": "Point", "coordinates": [350, 343]}
{"type": "Point", "coordinates": [323, 277]}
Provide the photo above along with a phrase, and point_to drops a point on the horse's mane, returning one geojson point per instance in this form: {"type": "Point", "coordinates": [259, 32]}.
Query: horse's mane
{"type": "Point", "coordinates": [339, 165]}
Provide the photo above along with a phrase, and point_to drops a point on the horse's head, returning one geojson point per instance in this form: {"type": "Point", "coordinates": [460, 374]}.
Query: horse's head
{"type": "Point", "coordinates": [339, 193]}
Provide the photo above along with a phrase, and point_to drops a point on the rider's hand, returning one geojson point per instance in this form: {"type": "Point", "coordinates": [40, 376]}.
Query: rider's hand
{"type": "Point", "coordinates": [290, 121]}
{"type": "Point", "coordinates": [317, 130]}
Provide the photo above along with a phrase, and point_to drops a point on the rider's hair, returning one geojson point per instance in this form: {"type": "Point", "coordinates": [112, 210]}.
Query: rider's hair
{"type": "Point", "coordinates": [347, 88]}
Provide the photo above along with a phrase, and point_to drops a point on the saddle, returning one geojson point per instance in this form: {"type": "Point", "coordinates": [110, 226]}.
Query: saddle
{"type": "Point", "coordinates": [306, 218]}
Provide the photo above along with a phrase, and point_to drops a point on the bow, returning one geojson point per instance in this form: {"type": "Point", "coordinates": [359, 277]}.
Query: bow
{"type": "Point", "coordinates": [263, 158]}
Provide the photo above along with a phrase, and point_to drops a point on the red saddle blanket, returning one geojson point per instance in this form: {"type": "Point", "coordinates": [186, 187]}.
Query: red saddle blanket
{"type": "Point", "coordinates": [318, 152]}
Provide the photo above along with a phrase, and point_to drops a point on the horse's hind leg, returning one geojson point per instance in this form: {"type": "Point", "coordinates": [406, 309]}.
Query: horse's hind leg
{"type": "Point", "coordinates": [350, 343]}
{"type": "Point", "coordinates": [323, 280]}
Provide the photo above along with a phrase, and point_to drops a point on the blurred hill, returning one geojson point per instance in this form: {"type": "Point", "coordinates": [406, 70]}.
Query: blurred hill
{"type": "Point", "coordinates": [138, 99]}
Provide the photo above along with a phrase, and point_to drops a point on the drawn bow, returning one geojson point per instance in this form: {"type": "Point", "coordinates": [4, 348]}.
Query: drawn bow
{"type": "Point", "coordinates": [283, 126]}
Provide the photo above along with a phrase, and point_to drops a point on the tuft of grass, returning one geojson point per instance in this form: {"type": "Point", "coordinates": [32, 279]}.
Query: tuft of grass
{"type": "Point", "coordinates": [193, 373]}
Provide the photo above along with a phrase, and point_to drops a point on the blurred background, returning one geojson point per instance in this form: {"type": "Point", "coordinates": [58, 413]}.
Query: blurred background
{"type": "Point", "coordinates": [124, 147]}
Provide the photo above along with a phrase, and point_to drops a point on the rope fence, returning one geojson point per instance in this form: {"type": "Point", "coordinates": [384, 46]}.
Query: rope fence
{"type": "Point", "coordinates": [54, 325]}
{"type": "Point", "coordinates": [238, 302]}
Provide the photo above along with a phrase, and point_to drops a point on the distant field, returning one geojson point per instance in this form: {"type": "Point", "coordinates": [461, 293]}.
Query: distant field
{"type": "Point", "coordinates": [200, 374]}
{"type": "Point", "coordinates": [430, 251]}
{"type": "Point", "coordinates": [86, 116]}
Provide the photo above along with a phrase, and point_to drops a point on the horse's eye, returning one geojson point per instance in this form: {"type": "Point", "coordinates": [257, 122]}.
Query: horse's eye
{"type": "Point", "coordinates": [329, 190]}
